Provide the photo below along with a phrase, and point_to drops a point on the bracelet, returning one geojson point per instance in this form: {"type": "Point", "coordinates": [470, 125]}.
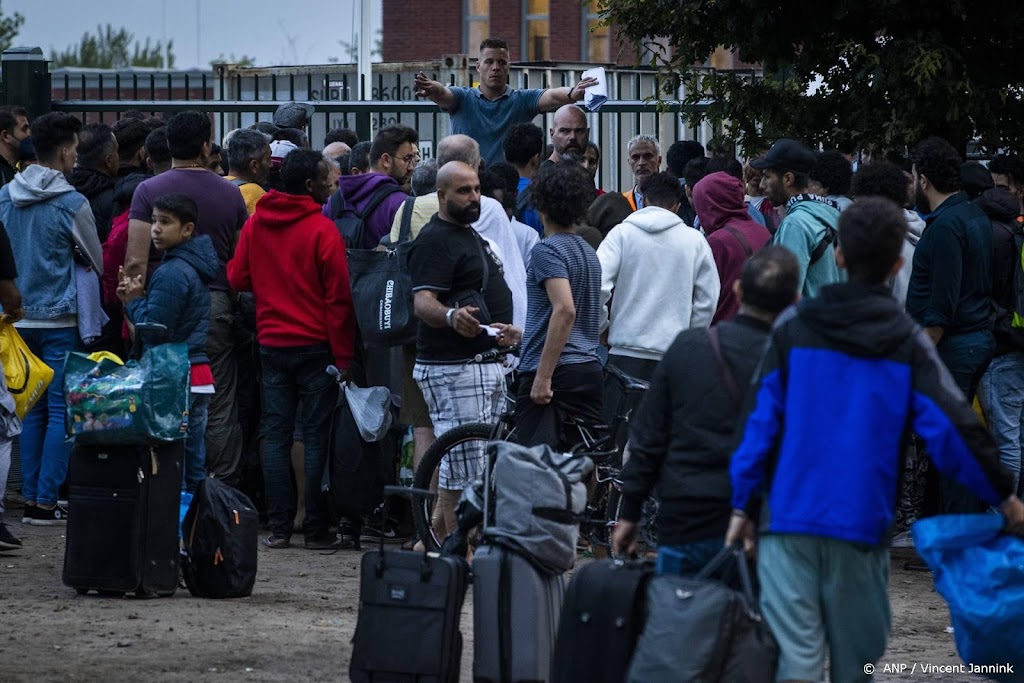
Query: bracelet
{"type": "Point", "coordinates": [448, 317]}
{"type": "Point", "coordinates": [571, 98]}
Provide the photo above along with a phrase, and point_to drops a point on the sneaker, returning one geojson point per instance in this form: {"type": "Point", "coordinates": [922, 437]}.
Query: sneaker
{"type": "Point", "coordinates": [372, 532]}
{"type": "Point", "coordinates": [277, 541]}
{"type": "Point", "coordinates": [54, 517]}
{"type": "Point", "coordinates": [28, 514]}
{"type": "Point", "coordinates": [8, 541]}
{"type": "Point", "coordinates": [348, 532]}
{"type": "Point", "coordinates": [325, 542]}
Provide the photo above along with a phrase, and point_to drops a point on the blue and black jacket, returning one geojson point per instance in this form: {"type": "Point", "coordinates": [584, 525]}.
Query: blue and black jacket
{"type": "Point", "coordinates": [843, 383]}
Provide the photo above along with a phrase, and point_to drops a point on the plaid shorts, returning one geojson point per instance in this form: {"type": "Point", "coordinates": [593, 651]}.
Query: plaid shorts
{"type": "Point", "coordinates": [456, 395]}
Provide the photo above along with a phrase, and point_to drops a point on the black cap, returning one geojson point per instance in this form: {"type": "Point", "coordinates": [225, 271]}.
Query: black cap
{"type": "Point", "coordinates": [975, 179]}
{"type": "Point", "coordinates": [293, 115]}
{"type": "Point", "coordinates": [787, 154]}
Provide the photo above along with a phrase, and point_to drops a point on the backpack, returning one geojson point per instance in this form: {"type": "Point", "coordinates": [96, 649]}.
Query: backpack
{"type": "Point", "coordinates": [351, 223]}
{"type": "Point", "coordinates": [523, 203]}
{"type": "Point", "coordinates": [221, 530]}
{"type": "Point", "coordinates": [1009, 326]}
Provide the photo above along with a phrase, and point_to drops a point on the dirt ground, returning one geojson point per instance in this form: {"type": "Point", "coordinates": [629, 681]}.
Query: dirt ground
{"type": "Point", "coordinates": [297, 626]}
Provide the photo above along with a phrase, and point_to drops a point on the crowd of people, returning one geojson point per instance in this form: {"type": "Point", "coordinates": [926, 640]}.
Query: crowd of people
{"type": "Point", "coordinates": [833, 425]}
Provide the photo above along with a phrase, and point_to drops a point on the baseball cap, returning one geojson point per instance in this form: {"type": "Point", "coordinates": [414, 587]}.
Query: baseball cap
{"type": "Point", "coordinates": [279, 149]}
{"type": "Point", "coordinates": [267, 128]}
{"type": "Point", "coordinates": [293, 115]}
{"type": "Point", "coordinates": [788, 154]}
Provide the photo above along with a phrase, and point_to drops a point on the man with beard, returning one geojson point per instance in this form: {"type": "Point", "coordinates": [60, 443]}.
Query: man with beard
{"type": "Point", "coordinates": [950, 290]}
{"type": "Point", "coordinates": [809, 228]}
{"type": "Point", "coordinates": [459, 288]}
{"type": "Point", "coordinates": [644, 155]}
{"type": "Point", "coordinates": [569, 134]}
{"type": "Point", "coordinates": [95, 174]}
{"type": "Point", "coordinates": [13, 131]}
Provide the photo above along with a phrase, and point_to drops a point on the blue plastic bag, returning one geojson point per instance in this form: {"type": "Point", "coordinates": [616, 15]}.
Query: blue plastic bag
{"type": "Point", "coordinates": [980, 572]}
{"type": "Point", "coordinates": [186, 502]}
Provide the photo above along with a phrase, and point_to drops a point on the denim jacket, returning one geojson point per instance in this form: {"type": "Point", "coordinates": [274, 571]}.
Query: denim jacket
{"type": "Point", "coordinates": [46, 219]}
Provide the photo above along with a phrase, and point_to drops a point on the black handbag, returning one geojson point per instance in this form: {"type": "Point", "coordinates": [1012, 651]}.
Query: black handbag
{"type": "Point", "coordinates": [473, 297]}
{"type": "Point", "coordinates": [700, 629]}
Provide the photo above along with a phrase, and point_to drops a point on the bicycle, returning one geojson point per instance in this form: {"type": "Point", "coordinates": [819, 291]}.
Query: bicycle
{"type": "Point", "coordinates": [601, 443]}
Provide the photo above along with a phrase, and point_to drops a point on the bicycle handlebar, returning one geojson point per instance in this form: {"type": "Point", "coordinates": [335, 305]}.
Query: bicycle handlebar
{"type": "Point", "coordinates": [494, 354]}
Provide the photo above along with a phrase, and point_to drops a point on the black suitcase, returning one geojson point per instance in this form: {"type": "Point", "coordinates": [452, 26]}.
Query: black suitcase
{"type": "Point", "coordinates": [410, 604]}
{"type": "Point", "coordinates": [123, 507]}
{"type": "Point", "coordinates": [603, 613]}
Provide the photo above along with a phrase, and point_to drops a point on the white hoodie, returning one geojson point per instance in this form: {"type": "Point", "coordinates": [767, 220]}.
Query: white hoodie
{"type": "Point", "coordinates": [900, 283]}
{"type": "Point", "coordinates": [665, 281]}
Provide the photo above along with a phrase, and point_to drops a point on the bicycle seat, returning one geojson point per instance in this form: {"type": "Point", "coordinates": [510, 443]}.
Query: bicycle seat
{"type": "Point", "coordinates": [627, 383]}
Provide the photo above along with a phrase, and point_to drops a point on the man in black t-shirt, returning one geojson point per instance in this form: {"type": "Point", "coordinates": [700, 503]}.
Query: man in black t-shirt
{"type": "Point", "coordinates": [10, 300]}
{"type": "Point", "coordinates": [450, 263]}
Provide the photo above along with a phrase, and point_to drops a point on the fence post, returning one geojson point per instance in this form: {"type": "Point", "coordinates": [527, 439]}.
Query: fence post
{"type": "Point", "coordinates": [26, 80]}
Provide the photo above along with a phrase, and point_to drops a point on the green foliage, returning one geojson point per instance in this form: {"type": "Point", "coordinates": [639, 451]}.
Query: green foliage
{"type": "Point", "coordinates": [9, 27]}
{"type": "Point", "coordinates": [110, 49]}
{"type": "Point", "coordinates": [877, 73]}
{"type": "Point", "coordinates": [244, 61]}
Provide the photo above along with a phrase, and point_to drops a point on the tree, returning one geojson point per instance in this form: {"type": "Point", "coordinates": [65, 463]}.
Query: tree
{"type": "Point", "coordinates": [110, 49]}
{"type": "Point", "coordinates": [244, 61]}
{"type": "Point", "coordinates": [9, 27]}
{"type": "Point", "coordinates": [351, 50]}
{"type": "Point", "coordinates": [880, 73]}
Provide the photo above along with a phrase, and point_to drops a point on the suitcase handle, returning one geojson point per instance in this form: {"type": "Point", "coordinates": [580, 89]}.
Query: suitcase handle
{"type": "Point", "coordinates": [426, 571]}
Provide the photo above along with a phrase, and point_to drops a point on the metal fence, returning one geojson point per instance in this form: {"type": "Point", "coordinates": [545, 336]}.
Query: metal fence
{"type": "Point", "coordinates": [239, 97]}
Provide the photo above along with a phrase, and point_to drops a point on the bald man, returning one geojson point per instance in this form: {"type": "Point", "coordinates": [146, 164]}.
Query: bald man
{"type": "Point", "coordinates": [459, 288]}
{"type": "Point", "coordinates": [336, 149]}
{"type": "Point", "coordinates": [570, 134]}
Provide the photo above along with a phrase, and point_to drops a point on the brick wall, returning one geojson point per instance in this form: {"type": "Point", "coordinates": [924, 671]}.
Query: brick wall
{"type": "Point", "coordinates": [416, 30]}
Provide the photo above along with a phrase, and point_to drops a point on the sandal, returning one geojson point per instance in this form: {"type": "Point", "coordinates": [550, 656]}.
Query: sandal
{"type": "Point", "coordinates": [277, 541]}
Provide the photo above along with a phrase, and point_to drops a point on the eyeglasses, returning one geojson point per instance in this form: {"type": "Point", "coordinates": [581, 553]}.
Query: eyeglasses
{"type": "Point", "coordinates": [410, 158]}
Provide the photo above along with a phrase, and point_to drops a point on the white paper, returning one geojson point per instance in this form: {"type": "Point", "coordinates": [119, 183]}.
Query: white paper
{"type": "Point", "coordinates": [492, 331]}
{"type": "Point", "coordinates": [597, 94]}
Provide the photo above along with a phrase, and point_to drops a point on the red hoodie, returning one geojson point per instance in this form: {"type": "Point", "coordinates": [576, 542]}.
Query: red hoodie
{"type": "Point", "coordinates": [292, 259]}
{"type": "Point", "coordinates": [719, 201]}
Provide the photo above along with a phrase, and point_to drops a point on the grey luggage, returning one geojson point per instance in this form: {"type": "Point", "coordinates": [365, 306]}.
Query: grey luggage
{"type": "Point", "coordinates": [515, 617]}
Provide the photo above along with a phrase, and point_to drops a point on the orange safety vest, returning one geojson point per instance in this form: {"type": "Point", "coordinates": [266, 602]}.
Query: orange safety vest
{"type": "Point", "coordinates": [630, 198]}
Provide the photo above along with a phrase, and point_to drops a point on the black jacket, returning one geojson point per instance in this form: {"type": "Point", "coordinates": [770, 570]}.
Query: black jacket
{"type": "Point", "coordinates": [1003, 210]}
{"type": "Point", "coordinates": [7, 172]}
{"type": "Point", "coordinates": [685, 430]}
{"type": "Point", "coordinates": [99, 190]}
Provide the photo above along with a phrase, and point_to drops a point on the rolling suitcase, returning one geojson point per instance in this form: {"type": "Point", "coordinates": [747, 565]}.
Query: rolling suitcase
{"type": "Point", "coordinates": [604, 613]}
{"type": "Point", "coordinates": [515, 617]}
{"type": "Point", "coordinates": [123, 506]}
{"type": "Point", "coordinates": [410, 604]}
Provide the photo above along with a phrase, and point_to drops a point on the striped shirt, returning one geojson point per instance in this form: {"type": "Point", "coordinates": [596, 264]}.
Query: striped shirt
{"type": "Point", "coordinates": [568, 256]}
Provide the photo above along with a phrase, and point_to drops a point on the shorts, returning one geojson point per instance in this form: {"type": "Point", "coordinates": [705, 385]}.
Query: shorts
{"type": "Point", "coordinates": [822, 596]}
{"type": "Point", "coordinates": [414, 407]}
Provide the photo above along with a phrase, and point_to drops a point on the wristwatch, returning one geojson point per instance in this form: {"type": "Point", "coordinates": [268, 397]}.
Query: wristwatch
{"type": "Point", "coordinates": [448, 317]}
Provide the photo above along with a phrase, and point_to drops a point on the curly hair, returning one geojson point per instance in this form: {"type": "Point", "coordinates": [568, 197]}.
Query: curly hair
{"type": "Point", "coordinates": [1009, 165]}
{"type": "Point", "coordinates": [938, 161]}
{"type": "Point", "coordinates": [882, 179]}
{"type": "Point", "coordinates": [871, 234]}
{"type": "Point", "coordinates": [833, 172]}
{"type": "Point", "coordinates": [563, 192]}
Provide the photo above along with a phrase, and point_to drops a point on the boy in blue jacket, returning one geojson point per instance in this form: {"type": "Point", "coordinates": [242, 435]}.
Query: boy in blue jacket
{"type": "Point", "coordinates": [845, 378]}
{"type": "Point", "coordinates": [179, 299]}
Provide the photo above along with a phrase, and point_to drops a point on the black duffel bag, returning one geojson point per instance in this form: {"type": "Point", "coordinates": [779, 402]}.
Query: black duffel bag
{"type": "Point", "coordinates": [700, 629]}
{"type": "Point", "coordinates": [221, 530]}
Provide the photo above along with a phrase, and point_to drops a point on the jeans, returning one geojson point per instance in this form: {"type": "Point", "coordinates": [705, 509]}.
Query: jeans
{"type": "Point", "coordinates": [6, 444]}
{"type": "Point", "coordinates": [195, 441]}
{"type": "Point", "coordinates": [44, 452]}
{"type": "Point", "coordinates": [288, 375]}
{"type": "Point", "coordinates": [966, 356]}
{"type": "Point", "coordinates": [687, 559]}
{"type": "Point", "coordinates": [223, 433]}
{"type": "Point", "coordinates": [1001, 394]}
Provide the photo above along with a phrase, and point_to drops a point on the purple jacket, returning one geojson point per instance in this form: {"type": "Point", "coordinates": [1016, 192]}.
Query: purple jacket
{"type": "Point", "coordinates": [355, 192]}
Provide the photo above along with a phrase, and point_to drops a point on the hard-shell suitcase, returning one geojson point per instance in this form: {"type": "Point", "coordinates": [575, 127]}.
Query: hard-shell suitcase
{"type": "Point", "coordinates": [515, 617]}
{"type": "Point", "coordinates": [410, 604]}
{"type": "Point", "coordinates": [603, 613]}
{"type": "Point", "coordinates": [123, 506]}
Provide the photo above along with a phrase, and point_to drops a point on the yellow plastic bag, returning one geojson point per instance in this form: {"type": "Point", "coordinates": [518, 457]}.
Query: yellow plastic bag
{"type": "Point", "coordinates": [27, 376]}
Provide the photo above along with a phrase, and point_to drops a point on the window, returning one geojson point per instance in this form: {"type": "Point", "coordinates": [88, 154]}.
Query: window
{"type": "Point", "coordinates": [537, 30]}
{"type": "Point", "coordinates": [597, 39]}
{"type": "Point", "coordinates": [477, 24]}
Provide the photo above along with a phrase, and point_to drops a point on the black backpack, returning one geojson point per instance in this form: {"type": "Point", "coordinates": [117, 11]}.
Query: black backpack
{"type": "Point", "coordinates": [221, 529]}
{"type": "Point", "coordinates": [351, 223]}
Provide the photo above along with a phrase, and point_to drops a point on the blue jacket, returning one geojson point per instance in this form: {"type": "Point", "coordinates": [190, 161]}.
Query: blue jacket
{"type": "Point", "coordinates": [842, 384]}
{"type": "Point", "coordinates": [46, 220]}
{"type": "Point", "coordinates": [178, 297]}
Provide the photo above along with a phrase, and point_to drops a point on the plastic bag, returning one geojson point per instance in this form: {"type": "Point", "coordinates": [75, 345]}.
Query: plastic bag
{"type": "Point", "coordinates": [980, 572]}
{"type": "Point", "coordinates": [27, 376]}
{"type": "Point", "coordinates": [371, 409]}
{"type": "Point", "coordinates": [136, 403]}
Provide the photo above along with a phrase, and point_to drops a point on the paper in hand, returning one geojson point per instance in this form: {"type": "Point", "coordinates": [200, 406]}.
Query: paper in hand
{"type": "Point", "coordinates": [597, 94]}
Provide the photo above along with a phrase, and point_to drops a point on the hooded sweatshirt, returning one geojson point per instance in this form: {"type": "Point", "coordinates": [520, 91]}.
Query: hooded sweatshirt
{"type": "Point", "coordinates": [178, 297]}
{"type": "Point", "coordinates": [915, 226]}
{"type": "Point", "coordinates": [1003, 209]}
{"type": "Point", "coordinates": [807, 220]}
{"type": "Point", "coordinates": [39, 208]}
{"type": "Point", "coordinates": [842, 384]}
{"type": "Point", "coordinates": [355, 192]}
{"type": "Point", "coordinates": [292, 258]}
{"type": "Point", "coordinates": [719, 201]}
{"type": "Point", "coordinates": [664, 278]}
{"type": "Point", "coordinates": [99, 190]}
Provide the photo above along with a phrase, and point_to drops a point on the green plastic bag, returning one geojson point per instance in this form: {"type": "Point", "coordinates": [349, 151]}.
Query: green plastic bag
{"type": "Point", "coordinates": [139, 402]}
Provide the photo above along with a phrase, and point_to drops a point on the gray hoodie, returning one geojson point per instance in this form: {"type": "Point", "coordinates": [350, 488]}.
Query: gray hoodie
{"type": "Point", "coordinates": [915, 226]}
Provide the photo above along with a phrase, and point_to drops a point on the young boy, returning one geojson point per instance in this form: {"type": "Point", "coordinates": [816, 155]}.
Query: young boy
{"type": "Point", "coordinates": [843, 382]}
{"type": "Point", "coordinates": [179, 299]}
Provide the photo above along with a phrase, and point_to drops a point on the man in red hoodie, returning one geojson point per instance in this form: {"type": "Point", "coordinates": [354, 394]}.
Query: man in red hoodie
{"type": "Point", "coordinates": [292, 258]}
{"type": "Point", "coordinates": [732, 234]}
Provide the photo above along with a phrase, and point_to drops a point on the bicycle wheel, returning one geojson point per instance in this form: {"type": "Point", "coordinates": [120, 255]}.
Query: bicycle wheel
{"type": "Point", "coordinates": [422, 510]}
